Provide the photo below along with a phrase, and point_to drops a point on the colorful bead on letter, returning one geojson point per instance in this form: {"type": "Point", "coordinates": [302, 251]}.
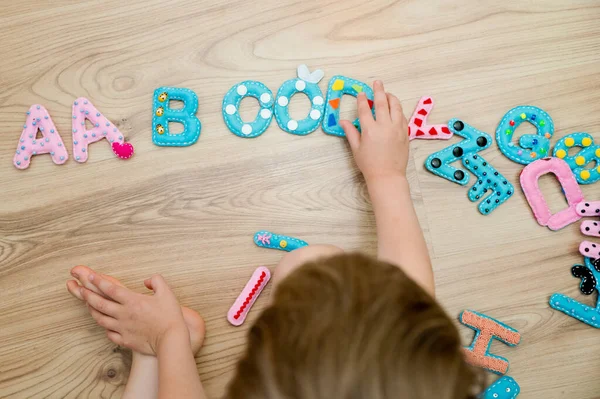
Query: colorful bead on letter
{"type": "Point", "coordinates": [269, 240]}
{"type": "Point", "coordinates": [530, 176]}
{"type": "Point", "coordinates": [231, 106]}
{"type": "Point", "coordinates": [590, 276]}
{"type": "Point", "coordinates": [338, 86]}
{"type": "Point", "coordinates": [531, 146]}
{"type": "Point", "coordinates": [38, 120]}
{"type": "Point", "coordinates": [487, 329]}
{"type": "Point", "coordinates": [589, 153]}
{"type": "Point", "coordinates": [162, 114]}
{"type": "Point", "coordinates": [306, 83]}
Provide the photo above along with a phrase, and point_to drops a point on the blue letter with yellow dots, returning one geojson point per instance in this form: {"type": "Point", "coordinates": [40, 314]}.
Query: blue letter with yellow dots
{"type": "Point", "coordinates": [162, 114]}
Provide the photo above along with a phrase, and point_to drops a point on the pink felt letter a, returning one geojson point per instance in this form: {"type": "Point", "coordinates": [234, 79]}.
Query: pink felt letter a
{"type": "Point", "coordinates": [103, 129]}
{"type": "Point", "coordinates": [38, 119]}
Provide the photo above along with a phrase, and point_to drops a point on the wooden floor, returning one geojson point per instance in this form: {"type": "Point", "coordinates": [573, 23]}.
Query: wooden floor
{"type": "Point", "coordinates": [190, 213]}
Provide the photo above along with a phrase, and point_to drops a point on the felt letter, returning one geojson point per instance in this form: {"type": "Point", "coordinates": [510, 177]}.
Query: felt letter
{"type": "Point", "coordinates": [338, 86]}
{"type": "Point", "coordinates": [103, 129]}
{"type": "Point", "coordinates": [487, 329]}
{"type": "Point", "coordinates": [51, 143]}
{"type": "Point", "coordinates": [530, 176]}
{"type": "Point", "coordinates": [162, 114]}
{"type": "Point", "coordinates": [418, 127]}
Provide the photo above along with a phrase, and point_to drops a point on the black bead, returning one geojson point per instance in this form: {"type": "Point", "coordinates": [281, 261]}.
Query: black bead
{"type": "Point", "coordinates": [597, 210]}
{"type": "Point", "coordinates": [475, 167]}
{"type": "Point", "coordinates": [485, 190]}
{"type": "Point", "coordinates": [458, 126]}
{"type": "Point", "coordinates": [436, 162]}
{"type": "Point", "coordinates": [586, 204]}
{"type": "Point", "coordinates": [477, 197]}
{"type": "Point", "coordinates": [587, 229]}
{"type": "Point", "coordinates": [583, 211]}
{"type": "Point", "coordinates": [457, 152]}
{"type": "Point", "coordinates": [498, 193]}
{"type": "Point", "coordinates": [586, 249]}
{"type": "Point", "coordinates": [459, 175]}
{"type": "Point", "coordinates": [495, 173]}
{"type": "Point", "coordinates": [474, 156]}
{"type": "Point", "coordinates": [485, 173]}
{"type": "Point", "coordinates": [488, 201]}
{"type": "Point", "coordinates": [489, 181]}
{"type": "Point", "coordinates": [509, 192]}
{"type": "Point", "coordinates": [480, 181]}
{"type": "Point", "coordinates": [474, 188]}
{"type": "Point", "coordinates": [497, 201]}
{"type": "Point", "coordinates": [481, 141]}
{"type": "Point", "coordinates": [485, 164]}
{"type": "Point", "coordinates": [505, 182]}
{"type": "Point", "coordinates": [467, 161]}
{"type": "Point", "coordinates": [487, 210]}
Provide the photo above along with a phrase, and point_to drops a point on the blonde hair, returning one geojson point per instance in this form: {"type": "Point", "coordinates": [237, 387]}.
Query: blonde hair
{"type": "Point", "coordinates": [352, 327]}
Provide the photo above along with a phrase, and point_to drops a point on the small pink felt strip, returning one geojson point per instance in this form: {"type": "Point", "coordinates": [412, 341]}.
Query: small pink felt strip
{"type": "Point", "coordinates": [488, 328]}
{"type": "Point", "coordinates": [530, 176]}
{"type": "Point", "coordinates": [240, 308]}
{"type": "Point", "coordinates": [418, 127]}
{"type": "Point", "coordinates": [590, 249]}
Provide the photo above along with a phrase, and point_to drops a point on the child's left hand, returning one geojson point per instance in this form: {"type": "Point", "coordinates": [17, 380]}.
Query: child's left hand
{"type": "Point", "coordinates": [139, 322]}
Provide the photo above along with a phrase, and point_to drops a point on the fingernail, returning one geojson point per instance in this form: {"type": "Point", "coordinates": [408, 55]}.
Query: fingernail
{"type": "Point", "coordinates": [91, 277]}
{"type": "Point", "coordinates": [81, 290]}
{"type": "Point", "coordinates": [75, 275]}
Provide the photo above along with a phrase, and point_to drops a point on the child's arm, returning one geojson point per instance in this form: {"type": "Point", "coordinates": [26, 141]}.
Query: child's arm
{"type": "Point", "coordinates": [152, 325]}
{"type": "Point", "coordinates": [381, 153]}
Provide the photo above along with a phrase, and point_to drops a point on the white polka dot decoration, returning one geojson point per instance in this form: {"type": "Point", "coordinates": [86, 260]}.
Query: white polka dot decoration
{"type": "Point", "coordinates": [300, 85]}
{"type": "Point", "coordinates": [265, 113]}
{"type": "Point", "coordinates": [265, 98]}
{"type": "Point", "coordinates": [283, 101]}
{"type": "Point", "coordinates": [246, 129]}
{"type": "Point", "coordinates": [242, 90]}
{"type": "Point", "coordinates": [318, 100]}
{"type": "Point", "coordinates": [230, 109]}
{"type": "Point", "coordinates": [292, 125]}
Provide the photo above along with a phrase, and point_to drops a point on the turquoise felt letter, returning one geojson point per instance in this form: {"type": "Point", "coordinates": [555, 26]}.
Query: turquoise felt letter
{"type": "Point", "coordinates": [162, 114]}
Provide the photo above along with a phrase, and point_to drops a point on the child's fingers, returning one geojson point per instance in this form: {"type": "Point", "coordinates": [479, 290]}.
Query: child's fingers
{"type": "Point", "coordinates": [110, 290]}
{"type": "Point", "coordinates": [352, 134]}
{"type": "Point", "coordinates": [115, 337]}
{"type": "Point", "coordinates": [364, 110]}
{"type": "Point", "coordinates": [156, 283]}
{"type": "Point", "coordinates": [395, 108]}
{"type": "Point", "coordinates": [103, 320]}
{"type": "Point", "coordinates": [99, 303]}
{"type": "Point", "coordinates": [74, 289]}
{"type": "Point", "coordinates": [382, 109]}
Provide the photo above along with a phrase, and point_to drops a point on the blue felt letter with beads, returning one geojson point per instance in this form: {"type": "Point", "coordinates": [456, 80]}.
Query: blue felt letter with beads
{"type": "Point", "coordinates": [162, 114]}
{"type": "Point", "coordinates": [531, 147]}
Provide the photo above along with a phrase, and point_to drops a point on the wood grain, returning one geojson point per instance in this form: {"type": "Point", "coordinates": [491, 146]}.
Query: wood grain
{"type": "Point", "coordinates": [189, 213]}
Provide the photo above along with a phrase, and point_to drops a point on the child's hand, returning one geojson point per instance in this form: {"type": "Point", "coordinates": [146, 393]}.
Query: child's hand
{"type": "Point", "coordinates": [382, 150]}
{"type": "Point", "coordinates": [139, 322]}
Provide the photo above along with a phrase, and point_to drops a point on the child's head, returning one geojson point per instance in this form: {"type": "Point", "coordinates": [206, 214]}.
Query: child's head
{"type": "Point", "coordinates": [352, 327]}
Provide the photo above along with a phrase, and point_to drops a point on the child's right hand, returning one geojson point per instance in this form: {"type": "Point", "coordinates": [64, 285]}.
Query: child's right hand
{"type": "Point", "coordinates": [382, 149]}
{"type": "Point", "coordinates": [139, 322]}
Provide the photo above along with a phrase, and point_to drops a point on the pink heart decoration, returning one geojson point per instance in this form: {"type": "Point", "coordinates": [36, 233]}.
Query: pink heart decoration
{"type": "Point", "coordinates": [123, 151]}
